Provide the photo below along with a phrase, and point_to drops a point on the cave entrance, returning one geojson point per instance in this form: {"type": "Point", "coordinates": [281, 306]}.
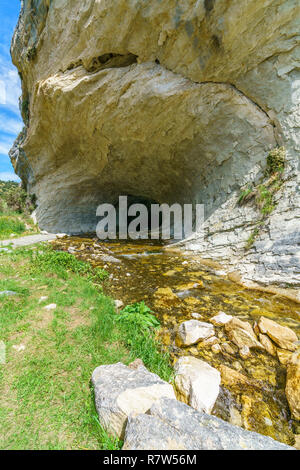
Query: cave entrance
{"type": "Point", "coordinates": [134, 216]}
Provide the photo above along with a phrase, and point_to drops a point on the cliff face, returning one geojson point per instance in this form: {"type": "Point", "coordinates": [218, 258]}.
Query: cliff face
{"type": "Point", "coordinates": [167, 100]}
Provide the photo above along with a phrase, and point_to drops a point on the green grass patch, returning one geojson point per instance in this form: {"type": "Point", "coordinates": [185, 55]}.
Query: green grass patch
{"type": "Point", "coordinates": [9, 225]}
{"type": "Point", "coordinates": [46, 399]}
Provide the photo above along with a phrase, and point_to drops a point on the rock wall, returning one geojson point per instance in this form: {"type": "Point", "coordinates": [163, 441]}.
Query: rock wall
{"type": "Point", "coordinates": [171, 101]}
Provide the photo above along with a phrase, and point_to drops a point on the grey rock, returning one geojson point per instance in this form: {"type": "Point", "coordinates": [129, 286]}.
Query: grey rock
{"type": "Point", "coordinates": [7, 293]}
{"type": "Point", "coordinates": [121, 391]}
{"type": "Point", "coordinates": [171, 425]}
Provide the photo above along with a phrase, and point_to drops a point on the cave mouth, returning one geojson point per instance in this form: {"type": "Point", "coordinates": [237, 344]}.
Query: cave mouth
{"type": "Point", "coordinates": [134, 216]}
{"type": "Point", "coordinates": [137, 217]}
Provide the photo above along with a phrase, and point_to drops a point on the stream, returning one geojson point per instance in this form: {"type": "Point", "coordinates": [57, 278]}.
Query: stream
{"type": "Point", "coordinates": [176, 285]}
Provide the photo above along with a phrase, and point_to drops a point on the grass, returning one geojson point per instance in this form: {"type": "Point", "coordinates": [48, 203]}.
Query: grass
{"type": "Point", "coordinates": [46, 400]}
{"type": "Point", "coordinates": [16, 224]}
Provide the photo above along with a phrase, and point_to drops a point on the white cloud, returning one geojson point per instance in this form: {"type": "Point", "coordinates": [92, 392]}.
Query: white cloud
{"type": "Point", "coordinates": [11, 88]}
{"type": "Point", "coordinates": [6, 143]}
{"type": "Point", "coordinates": [10, 125]}
{"type": "Point", "coordinates": [9, 176]}
{"type": "Point", "coordinates": [2, 92]}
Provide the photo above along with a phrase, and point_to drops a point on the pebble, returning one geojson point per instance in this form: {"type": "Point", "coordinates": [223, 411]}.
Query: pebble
{"type": "Point", "coordinates": [50, 307]}
{"type": "Point", "coordinates": [8, 293]}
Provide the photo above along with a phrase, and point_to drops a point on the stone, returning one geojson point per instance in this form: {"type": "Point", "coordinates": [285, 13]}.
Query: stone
{"type": "Point", "coordinates": [196, 316]}
{"type": "Point", "coordinates": [121, 391]}
{"type": "Point", "coordinates": [292, 389]}
{"type": "Point", "coordinates": [50, 307]}
{"type": "Point", "coordinates": [7, 293]}
{"type": "Point", "coordinates": [19, 348]}
{"type": "Point", "coordinates": [172, 425]}
{"type": "Point", "coordinates": [283, 336]}
{"type": "Point", "coordinates": [297, 441]}
{"type": "Point", "coordinates": [245, 352]}
{"type": "Point", "coordinates": [192, 331]}
{"type": "Point", "coordinates": [229, 348]}
{"type": "Point", "coordinates": [221, 319]}
{"type": "Point", "coordinates": [118, 304]}
{"type": "Point", "coordinates": [284, 356]}
{"type": "Point", "coordinates": [242, 334]}
{"type": "Point", "coordinates": [267, 344]}
{"type": "Point", "coordinates": [216, 348]}
{"type": "Point", "coordinates": [136, 364]}
{"type": "Point", "coordinates": [197, 383]}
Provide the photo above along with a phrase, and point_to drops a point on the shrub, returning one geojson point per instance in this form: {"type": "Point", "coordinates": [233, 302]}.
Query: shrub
{"type": "Point", "coordinates": [276, 161]}
{"type": "Point", "coordinates": [140, 315]}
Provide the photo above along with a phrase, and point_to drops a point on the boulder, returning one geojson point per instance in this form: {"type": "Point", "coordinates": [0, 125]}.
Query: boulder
{"type": "Point", "coordinates": [283, 336]}
{"type": "Point", "coordinates": [292, 389]}
{"type": "Point", "coordinates": [192, 331]}
{"type": "Point", "coordinates": [172, 425]}
{"type": "Point", "coordinates": [221, 319]}
{"type": "Point", "coordinates": [267, 344]}
{"type": "Point", "coordinates": [121, 391]}
{"type": "Point", "coordinates": [284, 356]}
{"type": "Point", "coordinates": [197, 383]}
{"type": "Point", "coordinates": [242, 334]}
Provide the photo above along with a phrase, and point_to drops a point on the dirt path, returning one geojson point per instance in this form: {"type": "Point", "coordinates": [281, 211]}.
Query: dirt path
{"type": "Point", "coordinates": [29, 240]}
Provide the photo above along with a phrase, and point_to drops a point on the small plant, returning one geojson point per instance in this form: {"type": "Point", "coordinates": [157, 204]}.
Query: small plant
{"type": "Point", "coordinates": [140, 315]}
{"type": "Point", "coordinates": [252, 238]}
{"type": "Point", "coordinates": [245, 195]}
{"type": "Point", "coordinates": [100, 275]}
{"type": "Point", "coordinates": [276, 161]}
{"type": "Point", "coordinates": [264, 200]}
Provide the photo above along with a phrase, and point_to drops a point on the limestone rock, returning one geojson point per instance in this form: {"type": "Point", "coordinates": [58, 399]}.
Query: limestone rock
{"type": "Point", "coordinates": [267, 344]}
{"type": "Point", "coordinates": [192, 331]}
{"type": "Point", "coordinates": [245, 352]}
{"type": "Point", "coordinates": [284, 356]}
{"type": "Point", "coordinates": [242, 334]}
{"type": "Point", "coordinates": [292, 389]}
{"type": "Point", "coordinates": [135, 98]}
{"type": "Point", "coordinates": [221, 319]}
{"type": "Point", "coordinates": [197, 383]}
{"type": "Point", "coordinates": [283, 336]}
{"type": "Point", "coordinates": [121, 391]}
{"type": "Point", "coordinates": [172, 425]}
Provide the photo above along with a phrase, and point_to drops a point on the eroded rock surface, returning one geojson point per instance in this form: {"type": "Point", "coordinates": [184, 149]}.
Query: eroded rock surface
{"type": "Point", "coordinates": [121, 391]}
{"type": "Point", "coordinates": [172, 425]}
{"type": "Point", "coordinates": [166, 102]}
{"type": "Point", "coordinates": [197, 383]}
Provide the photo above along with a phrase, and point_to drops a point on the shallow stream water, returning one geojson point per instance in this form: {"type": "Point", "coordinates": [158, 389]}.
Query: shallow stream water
{"type": "Point", "coordinates": [175, 285]}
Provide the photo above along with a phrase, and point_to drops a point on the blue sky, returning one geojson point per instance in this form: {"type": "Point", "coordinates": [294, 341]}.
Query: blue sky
{"type": "Point", "coordinates": [10, 89]}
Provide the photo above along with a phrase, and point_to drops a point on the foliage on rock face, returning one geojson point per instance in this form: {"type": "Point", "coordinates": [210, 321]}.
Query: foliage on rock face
{"type": "Point", "coordinates": [276, 161]}
{"type": "Point", "coordinates": [263, 194]}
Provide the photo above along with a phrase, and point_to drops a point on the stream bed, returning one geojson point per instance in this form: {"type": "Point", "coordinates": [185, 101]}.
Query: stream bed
{"type": "Point", "coordinates": [177, 285]}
